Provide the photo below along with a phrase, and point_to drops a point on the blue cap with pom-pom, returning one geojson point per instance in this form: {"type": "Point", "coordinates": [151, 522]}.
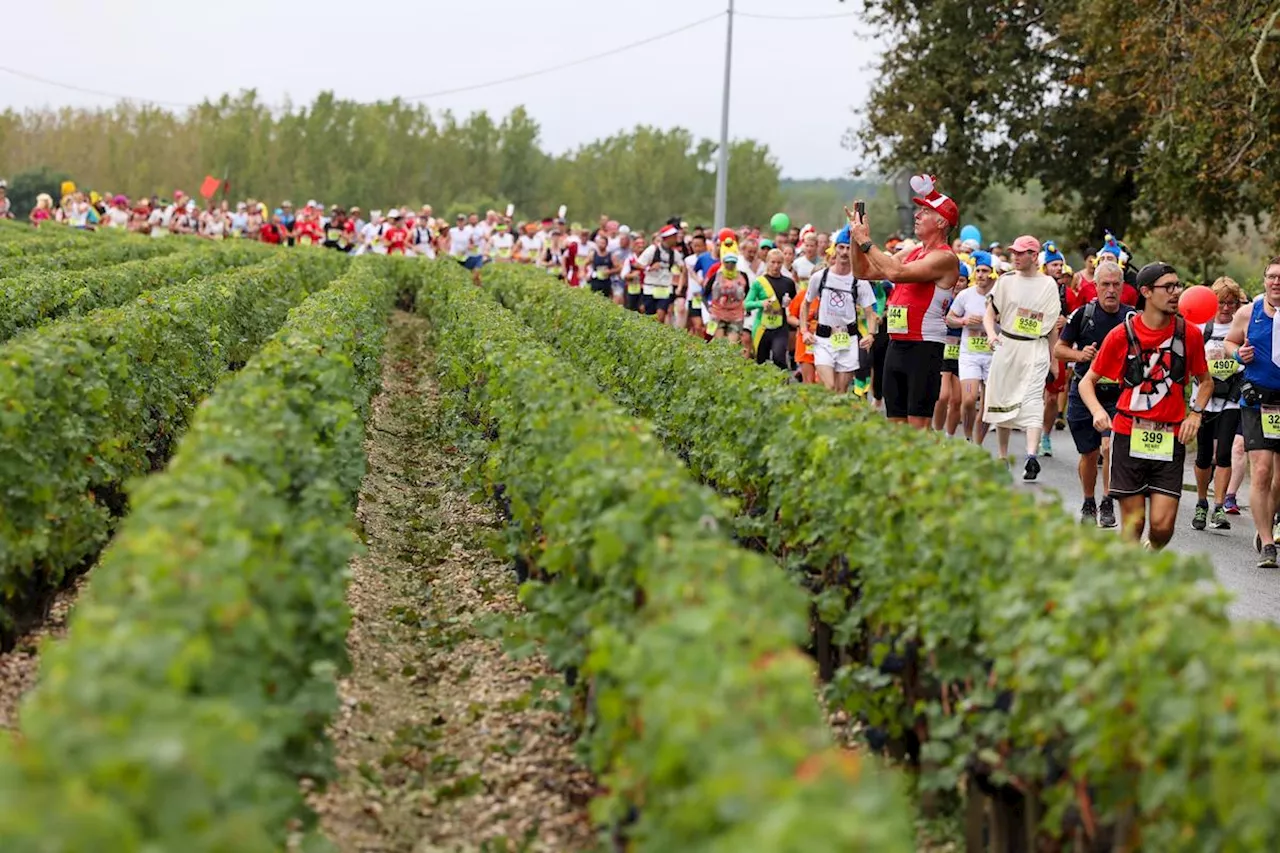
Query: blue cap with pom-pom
{"type": "Point", "coordinates": [1051, 252]}
{"type": "Point", "coordinates": [843, 236]}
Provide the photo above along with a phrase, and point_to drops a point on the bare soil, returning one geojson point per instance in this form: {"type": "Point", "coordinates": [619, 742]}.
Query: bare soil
{"type": "Point", "coordinates": [444, 742]}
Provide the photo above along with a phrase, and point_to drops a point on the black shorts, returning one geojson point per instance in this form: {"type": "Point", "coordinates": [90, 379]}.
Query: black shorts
{"type": "Point", "coordinates": [1080, 421]}
{"type": "Point", "coordinates": [603, 286]}
{"type": "Point", "coordinates": [631, 301]}
{"type": "Point", "coordinates": [1219, 428]}
{"type": "Point", "coordinates": [652, 304]}
{"type": "Point", "coordinates": [1130, 476]}
{"type": "Point", "coordinates": [913, 378]}
{"type": "Point", "coordinates": [1251, 426]}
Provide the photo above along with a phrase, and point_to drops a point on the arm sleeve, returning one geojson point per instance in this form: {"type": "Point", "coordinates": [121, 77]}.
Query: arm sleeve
{"type": "Point", "coordinates": [755, 297]}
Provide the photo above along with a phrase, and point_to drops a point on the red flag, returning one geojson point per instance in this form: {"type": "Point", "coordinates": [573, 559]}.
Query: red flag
{"type": "Point", "coordinates": [210, 186]}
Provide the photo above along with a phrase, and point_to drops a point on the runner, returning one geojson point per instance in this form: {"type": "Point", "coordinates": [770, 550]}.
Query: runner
{"type": "Point", "coordinates": [502, 243]}
{"type": "Point", "coordinates": [1054, 265]}
{"type": "Point", "coordinates": [922, 283]}
{"type": "Point", "coordinates": [1251, 341]}
{"type": "Point", "coordinates": [967, 313]}
{"type": "Point", "coordinates": [947, 413]}
{"type": "Point", "coordinates": [1081, 337]}
{"type": "Point", "coordinates": [1221, 419]}
{"type": "Point", "coordinates": [836, 343]}
{"type": "Point", "coordinates": [728, 312]}
{"type": "Point", "coordinates": [1025, 303]}
{"type": "Point", "coordinates": [633, 276]}
{"type": "Point", "coordinates": [663, 269]}
{"type": "Point", "coordinates": [769, 298]}
{"type": "Point", "coordinates": [1153, 354]}
{"type": "Point", "coordinates": [601, 266]}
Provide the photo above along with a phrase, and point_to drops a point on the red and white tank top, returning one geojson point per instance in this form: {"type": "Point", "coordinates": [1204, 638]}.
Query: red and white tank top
{"type": "Point", "coordinates": [917, 312]}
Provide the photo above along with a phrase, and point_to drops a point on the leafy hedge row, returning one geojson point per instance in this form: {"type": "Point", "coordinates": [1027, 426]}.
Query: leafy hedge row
{"type": "Point", "coordinates": [199, 671]}
{"type": "Point", "coordinates": [705, 729]}
{"type": "Point", "coordinates": [37, 297]}
{"type": "Point", "coordinates": [86, 404]}
{"type": "Point", "coordinates": [80, 254]}
{"type": "Point", "coordinates": [1078, 671]}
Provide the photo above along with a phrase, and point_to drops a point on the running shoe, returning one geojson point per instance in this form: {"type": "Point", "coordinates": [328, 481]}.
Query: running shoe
{"type": "Point", "coordinates": [1267, 560]}
{"type": "Point", "coordinates": [1230, 506]}
{"type": "Point", "coordinates": [1032, 468]}
{"type": "Point", "coordinates": [1201, 519]}
{"type": "Point", "coordinates": [1061, 423]}
{"type": "Point", "coordinates": [1107, 513]}
{"type": "Point", "coordinates": [1218, 521]}
{"type": "Point", "coordinates": [1046, 446]}
{"type": "Point", "coordinates": [1089, 513]}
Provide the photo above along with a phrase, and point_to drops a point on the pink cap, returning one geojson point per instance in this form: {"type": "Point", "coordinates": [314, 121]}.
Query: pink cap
{"type": "Point", "coordinates": [1025, 243]}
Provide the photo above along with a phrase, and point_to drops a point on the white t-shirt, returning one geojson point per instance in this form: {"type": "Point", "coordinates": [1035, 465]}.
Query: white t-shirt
{"type": "Point", "coordinates": [530, 246]}
{"type": "Point", "coordinates": [839, 306]}
{"type": "Point", "coordinates": [971, 303]}
{"type": "Point", "coordinates": [116, 218]}
{"type": "Point", "coordinates": [657, 274]}
{"type": "Point", "coordinates": [460, 240]}
{"type": "Point", "coordinates": [803, 268]}
{"type": "Point", "coordinates": [1214, 350]}
{"type": "Point", "coordinates": [501, 244]}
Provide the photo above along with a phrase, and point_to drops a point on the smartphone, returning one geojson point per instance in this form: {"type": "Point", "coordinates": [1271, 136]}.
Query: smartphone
{"type": "Point", "coordinates": [860, 208]}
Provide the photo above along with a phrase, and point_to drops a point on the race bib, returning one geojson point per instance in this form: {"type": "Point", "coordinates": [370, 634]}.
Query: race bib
{"type": "Point", "coordinates": [951, 352]}
{"type": "Point", "coordinates": [662, 293]}
{"type": "Point", "coordinates": [1271, 422]}
{"type": "Point", "coordinates": [840, 341]}
{"type": "Point", "coordinates": [504, 253]}
{"type": "Point", "coordinates": [304, 241]}
{"type": "Point", "coordinates": [1223, 368]}
{"type": "Point", "coordinates": [602, 273]}
{"type": "Point", "coordinates": [978, 344]}
{"type": "Point", "coordinates": [1154, 440]}
{"type": "Point", "coordinates": [675, 269]}
{"type": "Point", "coordinates": [633, 289]}
{"type": "Point", "coordinates": [897, 319]}
{"type": "Point", "coordinates": [1029, 324]}
{"type": "Point", "coordinates": [580, 260]}
{"type": "Point", "coordinates": [712, 326]}
{"type": "Point", "coordinates": [773, 321]}
{"type": "Point", "coordinates": [696, 303]}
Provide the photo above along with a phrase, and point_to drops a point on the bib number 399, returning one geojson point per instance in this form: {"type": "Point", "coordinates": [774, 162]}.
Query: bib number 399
{"type": "Point", "coordinates": [1151, 440]}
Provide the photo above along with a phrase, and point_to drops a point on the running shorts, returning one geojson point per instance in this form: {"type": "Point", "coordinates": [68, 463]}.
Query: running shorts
{"type": "Point", "coordinates": [1254, 439]}
{"type": "Point", "coordinates": [1130, 476]}
{"type": "Point", "coordinates": [913, 378]}
{"type": "Point", "coordinates": [974, 367]}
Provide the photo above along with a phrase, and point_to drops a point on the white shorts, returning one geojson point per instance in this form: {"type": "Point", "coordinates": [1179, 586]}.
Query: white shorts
{"type": "Point", "coordinates": [974, 366]}
{"type": "Point", "coordinates": [843, 361]}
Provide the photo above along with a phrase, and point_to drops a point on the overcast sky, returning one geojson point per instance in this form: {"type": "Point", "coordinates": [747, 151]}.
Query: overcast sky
{"type": "Point", "coordinates": [795, 82]}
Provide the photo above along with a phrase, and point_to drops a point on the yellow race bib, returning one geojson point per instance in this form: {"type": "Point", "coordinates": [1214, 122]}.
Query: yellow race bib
{"type": "Point", "coordinates": [1154, 440]}
{"type": "Point", "coordinates": [1271, 422]}
{"type": "Point", "coordinates": [978, 344]}
{"type": "Point", "coordinates": [1028, 324]}
{"type": "Point", "coordinates": [897, 319]}
{"type": "Point", "coordinates": [633, 289]}
{"type": "Point", "coordinates": [1224, 368]}
{"type": "Point", "coordinates": [773, 321]}
{"type": "Point", "coordinates": [951, 352]}
{"type": "Point", "coordinates": [840, 341]}
{"type": "Point", "coordinates": [662, 293]}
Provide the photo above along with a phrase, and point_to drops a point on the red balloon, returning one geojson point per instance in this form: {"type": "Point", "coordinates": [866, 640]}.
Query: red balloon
{"type": "Point", "coordinates": [1198, 304]}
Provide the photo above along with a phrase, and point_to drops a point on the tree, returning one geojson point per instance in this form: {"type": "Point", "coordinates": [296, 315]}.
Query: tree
{"type": "Point", "coordinates": [25, 186]}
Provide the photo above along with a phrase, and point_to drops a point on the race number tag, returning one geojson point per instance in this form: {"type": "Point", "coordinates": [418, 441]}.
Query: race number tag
{"type": "Point", "coordinates": [1271, 422]}
{"type": "Point", "coordinates": [898, 319]}
{"type": "Point", "coordinates": [633, 289]}
{"type": "Point", "coordinates": [696, 303]}
{"type": "Point", "coordinates": [774, 321]}
{"type": "Point", "coordinates": [504, 253]}
{"type": "Point", "coordinates": [1223, 368]}
{"type": "Point", "coordinates": [602, 273]}
{"type": "Point", "coordinates": [840, 341]}
{"type": "Point", "coordinates": [951, 352]}
{"type": "Point", "coordinates": [662, 293]}
{"type": "Point", "coordinates": [978, 344]}
{"type": "Point", "coordinates": [1154, 440]}
{"type": "Point", "coordinates": [712, 326]}
{"type": "Point", "coordinates": [1029, 324]}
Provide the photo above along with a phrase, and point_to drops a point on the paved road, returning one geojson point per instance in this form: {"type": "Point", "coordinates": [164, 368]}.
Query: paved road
{"type": "Point", "coordinates": [1256, 591]}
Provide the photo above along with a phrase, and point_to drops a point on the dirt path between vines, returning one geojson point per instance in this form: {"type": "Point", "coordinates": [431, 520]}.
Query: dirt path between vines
{"type": "Point", "coordinates": [19, 666]}
{"type": "Point", "coordinates": [442, 743]}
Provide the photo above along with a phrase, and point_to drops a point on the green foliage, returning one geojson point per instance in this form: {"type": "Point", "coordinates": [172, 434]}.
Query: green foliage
{"type": "Point", "coordinates": [39, 297]}
{"type": "Point", "coordinates": [88, 403]}
{"type": "Point", "coordinates": [196, 679]}
{"type": "Point", "coordinates": [405, 154]}
{"type": "Point", "coordinates": [80, 254]}
{"type": "Point", "coordinates": [1130, 688]}
{"type": "Point", "coordinates": [25, 186]}
{"type": "Point", "coordinates": [822, 202]}
{"type": "Point", "coordinates": [703, 716]}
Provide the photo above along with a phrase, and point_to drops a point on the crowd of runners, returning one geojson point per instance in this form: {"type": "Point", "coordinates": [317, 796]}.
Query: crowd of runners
{"type": "Point", "coordinates": [939, 333]}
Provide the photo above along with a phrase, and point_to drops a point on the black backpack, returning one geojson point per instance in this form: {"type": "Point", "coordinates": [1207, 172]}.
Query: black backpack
{"type": "Point", "coordinates": [864, 359]}
{"type": "Point", "coordinates": [1135, 372]}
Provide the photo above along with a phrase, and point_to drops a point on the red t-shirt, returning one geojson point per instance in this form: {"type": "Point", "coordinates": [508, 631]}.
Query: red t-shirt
{"type": "Point", "coordinates": [309, 233]}
{"type": "Point", "coordinates": [1089, 292]}
{"type": "Point", "coordinates": [396, 239]}
{"type": "Point", "coordinates": [271, 233]}
{"type": "Point", "coordinates": [1110, 361]}
{"type": "Point", "coordinates": [569, 260]}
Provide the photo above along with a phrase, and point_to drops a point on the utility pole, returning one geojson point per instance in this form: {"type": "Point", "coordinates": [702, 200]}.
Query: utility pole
{"type": "Point", "coordinates": [722, 166]}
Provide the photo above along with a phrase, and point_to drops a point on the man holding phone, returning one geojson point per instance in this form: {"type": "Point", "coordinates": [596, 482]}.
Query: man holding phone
{"type": "Point", "coordinates": [916, 313]}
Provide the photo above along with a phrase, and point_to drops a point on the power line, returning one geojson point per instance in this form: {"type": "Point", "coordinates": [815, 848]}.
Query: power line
{"type": "Point", "coordinates": [518, 77]}
{"type": "Point", "coordinates": [798, 17]}
{"type": "Point", "coordinates": [15, 72]}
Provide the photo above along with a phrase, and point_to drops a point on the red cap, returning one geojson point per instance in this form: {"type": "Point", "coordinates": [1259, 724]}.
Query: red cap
{"type": "Point", "coordinates": [667, 231]}
{"type": "Point", "coordinates": [930, 197]}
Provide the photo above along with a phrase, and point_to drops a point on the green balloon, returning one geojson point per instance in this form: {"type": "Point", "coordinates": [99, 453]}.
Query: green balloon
{"type": "Point", "coordinates": [780, 222]}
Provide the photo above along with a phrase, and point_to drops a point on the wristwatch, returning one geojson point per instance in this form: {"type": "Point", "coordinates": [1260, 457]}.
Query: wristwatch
{"type": "Point", "coordinates": [1199, 410]}
{"type": "Point", "coordinates": [865, 247]}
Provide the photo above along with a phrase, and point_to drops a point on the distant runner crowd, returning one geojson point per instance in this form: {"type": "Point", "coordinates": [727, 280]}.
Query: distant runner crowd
{"type": "Point", "coordinates": [936, 330]}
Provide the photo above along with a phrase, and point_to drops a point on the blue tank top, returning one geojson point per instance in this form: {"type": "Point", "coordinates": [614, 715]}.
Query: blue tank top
{"type": "Point", "coordinates": [1261, 371]}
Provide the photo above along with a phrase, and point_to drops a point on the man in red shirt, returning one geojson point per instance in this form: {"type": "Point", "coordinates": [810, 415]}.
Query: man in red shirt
{"type": "Point", "coordinates": [396, 235]}
{"type": "Point", "coordinates": [1153, 355]}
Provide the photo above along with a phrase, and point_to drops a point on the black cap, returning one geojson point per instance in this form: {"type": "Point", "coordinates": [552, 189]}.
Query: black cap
{"type": "Point", "coordinates": [1153, 272]}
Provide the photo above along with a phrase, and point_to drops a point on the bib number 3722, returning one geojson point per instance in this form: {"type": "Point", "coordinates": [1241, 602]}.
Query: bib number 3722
{"type": "Point", "coordinates": [1151, 440]}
